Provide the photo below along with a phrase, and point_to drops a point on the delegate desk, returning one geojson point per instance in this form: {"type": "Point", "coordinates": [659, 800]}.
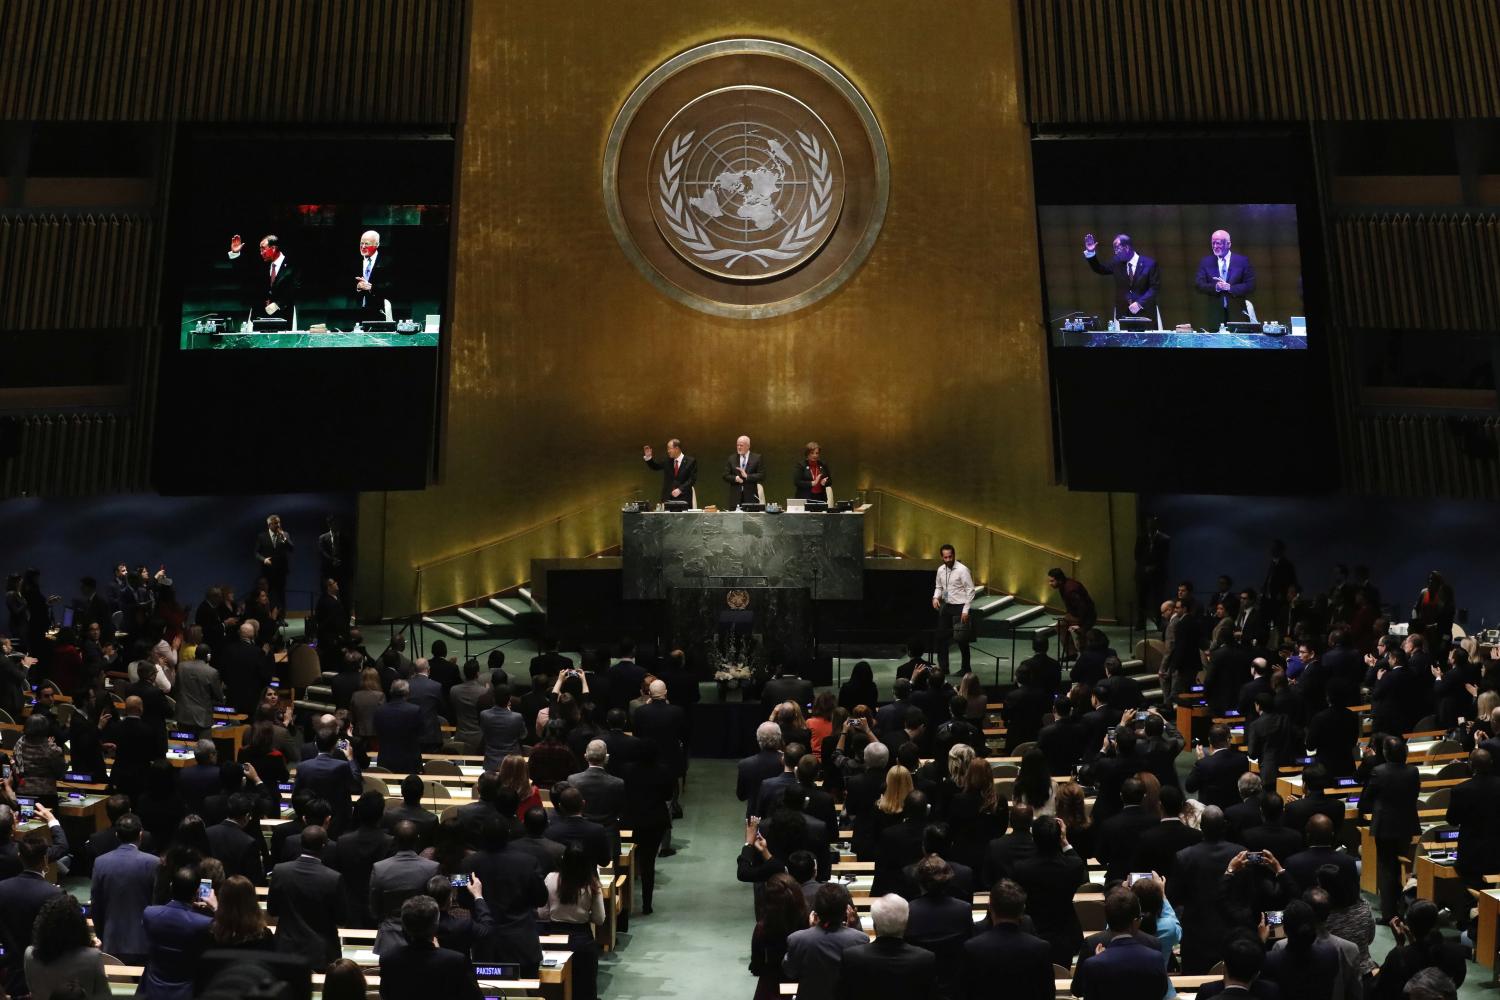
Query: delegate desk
{"type": "Point", "coordinates": [698, 550]}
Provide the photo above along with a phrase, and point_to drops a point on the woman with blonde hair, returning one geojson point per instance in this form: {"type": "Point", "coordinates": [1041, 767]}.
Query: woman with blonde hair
{"type": "Point", "coordinates": [515, 775]}
{"type": "Point", "coordinates": [960, 755]}
{"type": "Point", "coordinates": [898, 785]}
{"type": "Point", "coordinates": [973, 693]}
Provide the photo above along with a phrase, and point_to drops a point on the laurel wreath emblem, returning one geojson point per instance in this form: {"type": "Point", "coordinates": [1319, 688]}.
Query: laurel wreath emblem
{"type": "Point", "coordinates": [696, 237]}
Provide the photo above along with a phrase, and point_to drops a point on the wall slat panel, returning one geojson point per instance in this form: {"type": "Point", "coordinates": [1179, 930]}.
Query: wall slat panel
{"type": "Point", "coordinates": [50, 268]}
{"type": "Point", "coordinates": [1094, 61]}
{"type": "Point", "coordinates": [385, 61]}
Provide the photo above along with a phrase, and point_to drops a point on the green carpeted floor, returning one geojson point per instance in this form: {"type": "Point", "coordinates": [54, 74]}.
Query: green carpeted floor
{"type": "Point", "coordinates": [697, 942]}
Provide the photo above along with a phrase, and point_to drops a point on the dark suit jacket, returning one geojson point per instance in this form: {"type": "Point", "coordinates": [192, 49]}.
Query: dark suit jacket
{"type": "Point", "coordinates": [1390, 800]}
{"type": "Point", "coordinates": [673, 476]}
{"type": "Point", "coordinates": [1006, 954]}
{"type": "Point", "coordinates": [887, 969]}
{"type": "Point", "coordinates": [787, 687]}
{"type": "Point", "coordinates": [1299, 811]}
{"type": "Point", "coordinates": [663, 724]}
{"type": "Point", "coordinates": [123, 883]}
{"type": "Point", "coordinates": [392, 882]}
{"type": "Point", "coordinates": [237, 850]}
{"type": "Point", "coordinates": [1142, 288]}
{"type": "Point", "coordinates": [21, 899]}
{"type": "Point", "coordinates": [1196, 895]}
{"type": "Point", "coordinates": [1050, 881]}
{"type": "Point", "coordinates": [1062, 742]}
{"type": "Point", "coordinates": [136, 746]}
{"type": "Point", "coordinates": [355, 857]}
{"type": "Point", "coordinates": [1475, 809]}
{"type": "Point", "coordinates": [590, 836]}
{"type": "Point", "coordinates": [898, 846]}
{"type": "Point", "coordinates": [1125, 970]}
{"type": "Point", "coordinates": [603, 796]}
{"type": "Point", "coordinates": [260, 289]}
{"type": "Point", "coordinates": [332, 779]}
{"type": "Point", "coordinates": [1004, 853]}
{"type": "Point", "coordinates": [754, 475]}
{"type": "Point", "coordinates": [371, 304]}
{"type": "Point", "coordinates": [421, 970]}
{"type": "Point", "coordinates": [245, 671]}
{"type": "Point", "coordinates": [802, 481]}
{"type": "Point", "coordinates": [1305, 863]}
{"type": "Point", "coordinates": [307, 900]}
{"type": "Point", "coordinates": [400, 725]}
{"type": "Point", "coordinates": [1157, 846]}
{"type": "Point", "coordinates": [752, 771]}
{"type": "Point", "coordinates": [1216, 776]}
{"type": "Point", "coordinates": [1118, 838]}
{"type": "Point", "coordinates": [1241, 280]}
{"type": "Point", "coordinates": [1279, 840]}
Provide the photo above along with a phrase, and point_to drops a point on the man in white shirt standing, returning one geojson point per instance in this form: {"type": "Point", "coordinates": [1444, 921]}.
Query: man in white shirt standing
{"type": "Point", "coordinates": [951, 597]}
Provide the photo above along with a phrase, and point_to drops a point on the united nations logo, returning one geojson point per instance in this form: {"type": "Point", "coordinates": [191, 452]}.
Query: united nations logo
{"type": "Point", "coordinates": [749, 184]}
{"type": "Point", "coordinates": [738, 600]}
{"type": "Point", "coordinates": [746, 178]}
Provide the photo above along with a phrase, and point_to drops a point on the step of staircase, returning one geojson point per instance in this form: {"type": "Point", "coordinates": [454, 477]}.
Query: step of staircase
{"type": "Point", "coordinates": [525, 594]}
{"type": "Point", "coordinates": [1021, 613]}
{"type": "Point", "coordinates": [444, 628]}
{"type": "Point", "coordinates": [511, 608]}
{"type": "Point", "coordinates": [474, 617]}
{"type": "Point", "coordinates": [986, 606]}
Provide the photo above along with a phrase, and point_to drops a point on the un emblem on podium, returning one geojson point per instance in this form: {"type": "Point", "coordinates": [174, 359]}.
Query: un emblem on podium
{"type": "Point", "coordinates": [746, 178]}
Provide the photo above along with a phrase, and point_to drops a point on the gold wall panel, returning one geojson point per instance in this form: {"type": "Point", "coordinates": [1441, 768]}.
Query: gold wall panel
{"type": "Point", "coordinates": [925, 374]}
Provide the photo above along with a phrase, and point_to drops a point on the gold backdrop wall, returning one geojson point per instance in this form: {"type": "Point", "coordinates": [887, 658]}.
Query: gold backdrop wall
{"type": "Point", "coordinates": [925, 374]}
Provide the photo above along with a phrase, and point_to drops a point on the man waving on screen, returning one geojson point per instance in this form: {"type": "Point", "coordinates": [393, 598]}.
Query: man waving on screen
{"type": "Point", "coordinates": [1137, 278]}
{"type": "Point", "coordinates": [271, 286]}
{"type": "Point", "coordinates": [1226, 280]}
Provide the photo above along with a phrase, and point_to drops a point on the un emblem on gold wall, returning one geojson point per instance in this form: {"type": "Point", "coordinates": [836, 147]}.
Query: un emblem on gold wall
{"type": "Point", "coordinates": [746, 178]}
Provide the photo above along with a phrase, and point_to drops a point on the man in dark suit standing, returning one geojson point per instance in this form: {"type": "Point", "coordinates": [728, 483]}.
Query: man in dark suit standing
{"type": "Point", "coordinates": [121, 889]}
{"type": "Point", "coordinates": [571, 827]}
{"type": "Point", "coordinates": [1006, 954]}
{"type": "Point", "coordinates": [330, 776]}
{"type": "Point", "coordinates": [375, 282]}
{"type": "Point", "coordinates": [1120, 834]}
{"type": "Point", "coordinates": [1157, 846]}
{"type": "Point", "coordinates": [766, 763]}
{"type": "Point", "coordinates": [400, 725]}
{"type": "Point", "coordinates": [1225, 279]}
{"type": "Point", "coordinates": [271, 284]}
{"type": "Point", "coordinates": [1137, 278]}
{"type": "Point", "coordinates": [136, 746]}
{"type": "Point", "coordinates": [273, 553]}
{"type": "Point", "coordinates": [743, 473]}
{"type": "Point", "coordinates": [1216, 773]}
{"type": "Point", "coordinates": [233, 846]}
{"type": "Point", "coordinates": [1390, 800]}
{"type": "Point", "coordinates": [417, 966]}
{"type": "Point", "coordinates": [21, 899]}
{"type": "Point", "coordinates": [679, 472]}
{"type": "Point", "coordinates": [1197, 893]}
{"type": "Point", "coordinates": [1126, 969]}
{"type": "Point", "coordinates": [603, 793]}
{"type": "Point", "coordinates": [333, 554]}
{"type": "Point", "coordinates": [393, 881]}
{"type": "Point", "coordinates": [1320, 851]}
{"type": "Point", "coordinates": [888, 968]}
{"type": "Point", "coordinates": [307, 900]}
{"type": "Point", "coordinates": [1475, 809]}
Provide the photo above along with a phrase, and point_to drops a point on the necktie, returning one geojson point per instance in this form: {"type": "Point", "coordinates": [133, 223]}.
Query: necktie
{"type": "Point", "coordinates": [272, 279]}
{"type": "Point", "coordinates": [1224, 276]}
{"type": "Point", "coordinates": [677, 467]}
{"type": "Point", "coordinates": [369, 266]}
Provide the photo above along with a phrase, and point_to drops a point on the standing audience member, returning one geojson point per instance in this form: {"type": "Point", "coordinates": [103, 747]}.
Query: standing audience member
{"type": "Point", "coordinates": [177, 934]}
{"type": "Point", "coordinates": [814, 955]}
{"type": "Point", "coordinates": [1050, 879]}
{"type": "Point", "coordinates": [575, 906]}
{"type": "Point", "coordinates": [21, 899]}
{"type": "Point", "coordinates": [418, 967]}
{"type": "Point", "coordinates": [784, 912]}
{"type": "Point", "coordinates": [1390, 800]}
{"type": "Point", "coordinates": [888, 966]}
{"type": "Point", "coordinates": [1004, 953]}
{"type": "Point", "coordinates": [121, 890]}
{"type": "Point", "coordinates": [307, 900]}
{"type": "Point", "coordinates": [62, 953]}
{"type": "Point", "coordinates": [1124, 969]}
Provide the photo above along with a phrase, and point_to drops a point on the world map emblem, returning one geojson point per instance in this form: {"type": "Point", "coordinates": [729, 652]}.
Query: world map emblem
{"type": "Point", "coordinates": [749, 183]}
{"type": "Point", "coordinates": [746, 178]}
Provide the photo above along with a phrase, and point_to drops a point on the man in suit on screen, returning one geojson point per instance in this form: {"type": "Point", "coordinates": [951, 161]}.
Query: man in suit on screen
{"type": "Point", "coordinates": [1137, 278]}
{"type": "Point", "coordinates": [743, 473]}
{"type": "Point", "coordinates": [678, 473]}
{"type": "Point", "coordinates": [375, 283]}
{"type": "Point", "coordinates": [1225, 279]}
{"type": "Point", "coordinates": [273, 284]}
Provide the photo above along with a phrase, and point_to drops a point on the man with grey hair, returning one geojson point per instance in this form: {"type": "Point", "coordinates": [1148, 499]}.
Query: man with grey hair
{"type": "Point", "coordinates": [427, 694]}
{"type": "Point", "coordinates": [861, 791]}
{"type": "Point", "coordinates": [888, 966]}
{"type": "Point", "coordinates": [376, 280]}
{"type": "Point", "coordinates": [245, 669]}
{"type": "Point", "coordinates": [198, 782]}
{"type": "Point", "coordinates": [273, 556]}
{"type": "Point", "coordinates": [744, 474]}
{"type": "Point", "coordinates": [759, 766]}
{"type": "Point", "coordinates": [399, 727]}
{"type": "Point", "coordinates": [1245, 813]}
{"type": "Point", "coordinates": [603, 793]}
{"type": "Point", "coordinates": [1225, 279]}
